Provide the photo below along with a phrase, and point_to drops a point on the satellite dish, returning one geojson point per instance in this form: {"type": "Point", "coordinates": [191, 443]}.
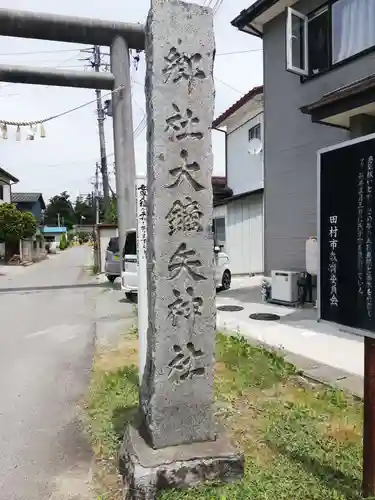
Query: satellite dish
{"type": "Point", "coordinates": [255, 146]}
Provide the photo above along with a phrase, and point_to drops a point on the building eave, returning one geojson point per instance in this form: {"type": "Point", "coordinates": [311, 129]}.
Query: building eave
{"type": "Point", "coordinates": [252, 19]}
{"type": "Point", "coordinates": [255, 92]}
{"type": "Point", "coordinates": [6, 174]}
{"type": "Point", "coordinates": [337, 107]}
{"type": "Point", "coordinates": [238, 197]}
{"type": "Point", "coordinates": [248, 16]}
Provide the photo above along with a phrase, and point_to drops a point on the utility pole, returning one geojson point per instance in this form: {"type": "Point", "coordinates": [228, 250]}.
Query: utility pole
{"type": "Point", "coordinates": [96, 63]}
{"type": "Point", "coordinates": [97, 194]}
{"type": "Point", "coordinates": [58, 220]}
{"type": "Point", "coordinates": [103, 153]}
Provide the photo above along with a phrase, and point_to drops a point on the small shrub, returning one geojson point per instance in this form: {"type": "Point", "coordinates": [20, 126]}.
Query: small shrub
{"type": "Point", "coordinates": [63, 242]}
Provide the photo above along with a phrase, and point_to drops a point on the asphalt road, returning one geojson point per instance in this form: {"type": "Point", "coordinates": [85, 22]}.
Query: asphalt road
{"type": "Point", "coordinates": [49, 321]}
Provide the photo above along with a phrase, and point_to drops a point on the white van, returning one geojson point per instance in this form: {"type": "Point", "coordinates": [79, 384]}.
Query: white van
{"type": "Point", "coordinates": [129, 274]}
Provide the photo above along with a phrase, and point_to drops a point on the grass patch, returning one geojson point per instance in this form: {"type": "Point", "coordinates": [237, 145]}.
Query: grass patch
{"type": "Point", "coordinates": [301, 441]}
{"type": "Point", "coordinates": [111, 403]}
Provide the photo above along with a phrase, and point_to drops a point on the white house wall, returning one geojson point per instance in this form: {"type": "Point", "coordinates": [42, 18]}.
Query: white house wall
{"type": "Point", "coordinates": [244, 235]}
{"type": "Point", "coordinates": [244, 114]}
{"type": "Point", "coordinates": [244, 170]}
{"type": "Point", "coordinates": [6, 191]}
{"type": "Point", "coordinates": [220, 211]}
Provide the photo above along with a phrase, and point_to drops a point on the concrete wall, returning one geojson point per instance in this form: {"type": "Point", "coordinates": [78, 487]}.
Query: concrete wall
{"type": "Point", "coordinates": [291, 142]}
{"type": "Point", "coordinates": [53, 237]}
{"type": "Point", "coordinates": [32, 250]}
{"type": "Point", "coordinates": [26, 250]}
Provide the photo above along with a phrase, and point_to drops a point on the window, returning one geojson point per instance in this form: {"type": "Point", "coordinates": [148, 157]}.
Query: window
{"type": "Point", "coordinates": [337, 31]}
{"type": "Point", "coordinates": [218, 227]}
{"type": "Point", "coordinates": [130, 247]}
{"type": "Point", "coordinates": [255, 132]}
{"type": "Point", "coordinates": [1, 192]}
{"type": "Point", "coordinates": [296, 42]}
{"type": "Point", "coordinates": [113, 245]}
{"type": "Point", "coordinates": [318, 41]}
{"type": "Point", "coordinates": [353, 28]}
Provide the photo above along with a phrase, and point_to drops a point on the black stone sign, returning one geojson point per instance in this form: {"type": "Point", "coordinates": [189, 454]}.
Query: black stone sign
{"type": "Point", "coordinates": [346, 234]}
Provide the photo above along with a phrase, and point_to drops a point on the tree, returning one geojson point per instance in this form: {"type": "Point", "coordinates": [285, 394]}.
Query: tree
{"type": "Point", "coordinates": [14, 224]}
{"type": "Point", "coordinates": [60, 206]}
{"type": "Point", "coordinates": [84, 210]}
{"type": "Point", "coordinates": [113, 210]}
{"type": "Point", "coordinates": [30, 224]}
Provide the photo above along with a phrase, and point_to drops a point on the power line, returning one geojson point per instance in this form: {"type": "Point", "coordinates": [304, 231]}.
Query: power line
{"type": "Point", "coordinates": [140, 127]}
{"type": "Point", "coordinates": [136, 102]}
{"type": "Point", "coordinates": [238, 52]}
{"type": "Point", "coordinates": [229, 86]}
{"type": "Point", "coordinates": [59, 115]}
{"type": "Point", "coordinates": [218, 79]}
{"type": "Point", "coordinates": [217, 6]}
{"type": "Point", "coordinates": [67, 60]}
{"type": "Point", "coordinates": [37, 52]}
{"type": "Point", "coordinates": [49, 61]}
{"type": "Point", "coordinates": [77, 51]}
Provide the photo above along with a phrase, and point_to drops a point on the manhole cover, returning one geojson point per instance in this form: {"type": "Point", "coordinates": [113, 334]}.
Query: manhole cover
{"type": "Point", "coordinates": [230, 308]}
{"type": "Point", "coordinates": [264, 316]}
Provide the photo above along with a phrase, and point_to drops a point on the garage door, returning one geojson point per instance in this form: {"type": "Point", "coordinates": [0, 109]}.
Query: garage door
{"type": "Point", "coordinates": [245, 235]}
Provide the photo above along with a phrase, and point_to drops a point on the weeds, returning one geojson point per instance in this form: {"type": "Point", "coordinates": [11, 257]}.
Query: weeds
{"type": "Point", "coordinates": [300, 441]}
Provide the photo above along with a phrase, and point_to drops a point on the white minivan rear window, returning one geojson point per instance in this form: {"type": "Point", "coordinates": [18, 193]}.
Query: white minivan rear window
{"type": "Point", "coordinates": [131, 244]}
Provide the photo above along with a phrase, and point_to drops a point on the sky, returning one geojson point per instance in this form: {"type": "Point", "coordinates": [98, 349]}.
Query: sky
{"type": "Point", "coordinates": [65, 159]}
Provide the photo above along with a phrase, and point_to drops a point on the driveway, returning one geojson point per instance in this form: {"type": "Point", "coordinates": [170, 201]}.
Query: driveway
{"type": "Point", "coordinates": [50, 316]}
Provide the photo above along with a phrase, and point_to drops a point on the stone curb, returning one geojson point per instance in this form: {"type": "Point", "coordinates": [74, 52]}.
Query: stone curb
{"type": "Point", "coordinates": [313, 370]}
{"type": "Point", "coordinates": [327, 375]}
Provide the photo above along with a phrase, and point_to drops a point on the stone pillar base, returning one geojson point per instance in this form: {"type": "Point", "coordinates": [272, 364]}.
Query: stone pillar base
{"type": "Point", "coordinates": [146, 471]}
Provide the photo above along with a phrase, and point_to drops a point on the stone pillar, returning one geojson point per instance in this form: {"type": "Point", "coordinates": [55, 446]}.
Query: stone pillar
{"type": "Point", "coordinates": [176, 443]}
{"type": "Point", "coordinates": [177, 392]}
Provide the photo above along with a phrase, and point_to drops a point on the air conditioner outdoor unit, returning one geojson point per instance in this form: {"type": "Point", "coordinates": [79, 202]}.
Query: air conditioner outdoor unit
{"type": "Point", "coordinates": [285, 286]}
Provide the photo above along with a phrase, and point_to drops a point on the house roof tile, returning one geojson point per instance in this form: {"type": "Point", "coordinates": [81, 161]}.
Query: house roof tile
{"type": "Point", "coordinates": [28, 198]}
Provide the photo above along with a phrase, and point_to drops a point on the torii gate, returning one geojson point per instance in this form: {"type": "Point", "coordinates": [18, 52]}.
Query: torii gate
{"type": "Point", "coordinates": [120, 37]}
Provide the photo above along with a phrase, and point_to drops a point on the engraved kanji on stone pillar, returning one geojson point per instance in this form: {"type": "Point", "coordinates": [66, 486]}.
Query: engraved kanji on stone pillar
{"type": "Point", "coordinates": [177, 388]}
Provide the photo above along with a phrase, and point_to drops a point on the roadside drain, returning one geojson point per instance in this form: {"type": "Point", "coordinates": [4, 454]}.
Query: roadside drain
{"type": "Point", "coordinates": [230, 308]}
{"type": "Point", "coordinates": [264, 317]}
